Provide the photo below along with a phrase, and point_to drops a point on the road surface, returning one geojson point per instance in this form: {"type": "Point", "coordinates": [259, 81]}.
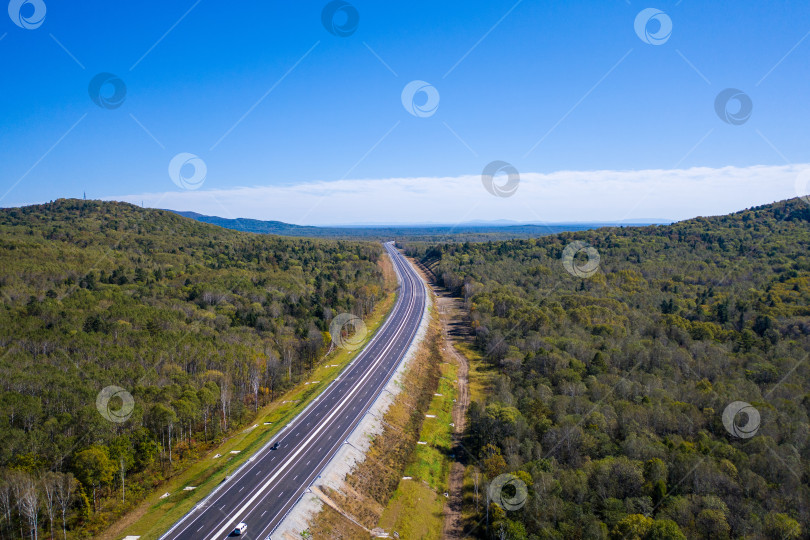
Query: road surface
{"type": "Point", "coordinates": [264, 490]}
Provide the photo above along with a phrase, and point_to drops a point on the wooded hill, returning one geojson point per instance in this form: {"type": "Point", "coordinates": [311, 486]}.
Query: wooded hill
{"type": "Point", "coordinates": [460, 232]}
{"type": "Point", "coordinates": [201, 325]}
{"type": "Point", "coordinates": [609, 390]}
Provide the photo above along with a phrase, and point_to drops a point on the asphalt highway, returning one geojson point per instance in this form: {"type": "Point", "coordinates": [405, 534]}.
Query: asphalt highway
{"type": "Point", "coordinates": [263, 491]}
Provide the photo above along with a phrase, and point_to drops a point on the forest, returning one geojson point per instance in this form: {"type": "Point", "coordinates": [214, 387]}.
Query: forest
{"type": "Point", "coordinates": [647, 382]}
{"type": "Point", "coordinates": [132, 340]}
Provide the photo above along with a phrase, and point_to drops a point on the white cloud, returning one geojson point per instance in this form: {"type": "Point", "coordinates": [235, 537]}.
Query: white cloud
{"type": "Point", "coordinates": [554, 197]}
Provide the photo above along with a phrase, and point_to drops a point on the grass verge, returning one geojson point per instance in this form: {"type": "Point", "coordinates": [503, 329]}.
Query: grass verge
{"type": "Point", "coordinates": [481, 374]}
{"type": "Point", "coordinates": [430, 462]}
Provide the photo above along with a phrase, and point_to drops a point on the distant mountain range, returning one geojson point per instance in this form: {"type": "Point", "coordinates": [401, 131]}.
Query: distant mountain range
{"type": "Point", "coordinates": [510, 223]}
{"type": "Point", "coordinates": [468, 231]}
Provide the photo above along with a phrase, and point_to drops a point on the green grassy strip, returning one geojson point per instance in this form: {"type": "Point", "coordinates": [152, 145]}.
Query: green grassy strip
{"type": "Point", "coordinates": [431, 462]}
{"type": "Point", "coordinates": [415, 511]}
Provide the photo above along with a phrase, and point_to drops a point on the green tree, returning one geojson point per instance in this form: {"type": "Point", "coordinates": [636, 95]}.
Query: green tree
{"type": "Point", "coordinates": [145, 449]}
{"type": "Point", "coordinates": [94, 468]}
{"type": "Point", "coordinates": [782, 526]}
{"type": "Point", "coordinates": [633, 527]}
{"type": "Point", "coordinates": [665, 529]}
{"type": "Point", "coordinates": [711, 523]}
{"type": "Point", "coordinates": [507, 529]}
{"type": "Point", "coordinates": [493, 461]}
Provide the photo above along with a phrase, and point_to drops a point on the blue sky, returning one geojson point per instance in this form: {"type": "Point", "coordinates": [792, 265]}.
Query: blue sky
{"type": "Point", "coordinates": [275, 105]}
